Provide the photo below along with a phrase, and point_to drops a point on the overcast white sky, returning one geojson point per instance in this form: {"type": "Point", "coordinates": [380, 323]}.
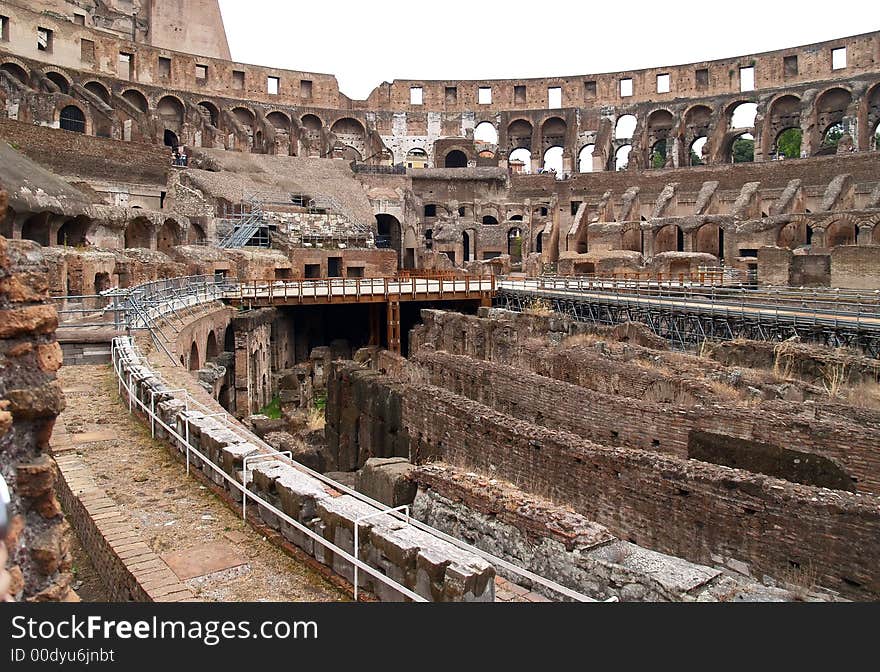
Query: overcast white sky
{"type": "Point", "coordinates": [368, 42]}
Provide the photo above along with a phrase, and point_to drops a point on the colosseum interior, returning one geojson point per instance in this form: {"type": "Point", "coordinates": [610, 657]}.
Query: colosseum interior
{"type": "Point", "coordinates": [612, 337]}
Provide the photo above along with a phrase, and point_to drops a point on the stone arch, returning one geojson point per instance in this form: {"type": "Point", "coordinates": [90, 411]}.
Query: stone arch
{"type": "Point", "coordinates": [171, 109]}
{"type": "Point", "coordinates": [521, 155]}
{"type": "Point", "coordinates": [625, 127]}
{"type": "Point", "coordinates": [552, 159]}
{"type": "Point", "coordinates": [72, 118]}
{"type": "Point", "coordinates": [245, 117]}
{"type": "Point", "coordinates": [169, 138]}
{"type": "Point", "coordinates": [195, 234]}
{"type": "Point", "coordinates": [489, 220]}
{"type": "Point", "coordinates": [872, 100]}
{"type": "Point", "coordinates": [709, 239]}
{"type": "Point", "coordinates": [348, 126]}
{"type": "Point", "coordinates": [98, 89]}
{"type": "Point", "coordinates": [312, 123]}
{"type": "Point", "coordinates": [486, 133]}
{"type": "Point", "coordinates": [416, 157]}
{"type": "Point", "coordinates": [659, 130]}
{"type": "Point", "coordinates": [585, 158]}
{"type": "Point", "coordinates": [740, 148]}
{"type": "Point", "coordinates": [515, 244]}
{"type": "Point", "coordinates": [139, 233]}
{"type": "Point", "coordinates": [831, 109]}
{"type": "Point", "coordinates": [211, 112]}
{"type": "Point", "coordinates": [279, 121]}
{"type": "Point", "coordinates": [212, 349]}
{"type": "Point", "coordinates": [168, 236]}
{"type": "Point", "coordinates": [741, 114]}
{"type": "Point", "coordinates": [390, 234]}
{"type": "Point", "coordinates": [455, 159]}
{"type": "Point", "coordinates": [137, 99]}
{"type": "Point", "coordinates": [697, 124]}
{"type": "Point", "coordinates": [16, 71]}
{"type": "Point", "coordinates": [519, 135]}
{"type": "Point", "coordinates": [73, 232]}
{"type": "Point", "coordinates": [669, 238]}
{"type": "Point", "coordinates": [60, 80]}
{"type": "Point", "coordinates": [696, 151]}
{"type": "Point", "coordinates": [36, 228]}
{"type": "Point", "coordinates": [553, 132]}
{"type": "Point", "coordinates": [621, 157]}
{"type": "Point", "coordinates": [783, 113]}
{"type": "Point", "coordinates": [193, 364]}
{"type": "Point", "coordinates": [841, 231]}
{"type": "Point", "coordinates": [792, 235]}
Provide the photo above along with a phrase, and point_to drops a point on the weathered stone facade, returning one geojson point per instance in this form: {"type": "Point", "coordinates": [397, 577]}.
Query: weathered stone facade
{"type": "Point", "coordinates": [30, 399]}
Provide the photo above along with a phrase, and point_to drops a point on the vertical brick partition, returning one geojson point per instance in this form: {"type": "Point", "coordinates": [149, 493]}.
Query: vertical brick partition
{"type": "Point", "coordinates": [128, 567]}
{"type": "Point", "coordinates": [681, 507]}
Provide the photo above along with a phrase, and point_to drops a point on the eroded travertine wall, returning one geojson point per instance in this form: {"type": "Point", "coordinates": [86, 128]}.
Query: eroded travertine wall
{"type": "Point", "coordinates": [30, 399]}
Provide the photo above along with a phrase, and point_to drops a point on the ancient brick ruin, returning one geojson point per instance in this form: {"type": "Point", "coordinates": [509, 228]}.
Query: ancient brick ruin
{"type": "Point", "coordinates": [616, 330]}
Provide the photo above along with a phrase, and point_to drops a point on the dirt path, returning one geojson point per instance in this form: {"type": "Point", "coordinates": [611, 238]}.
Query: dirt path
{"type": "Point", "coordinates": [196, 533]}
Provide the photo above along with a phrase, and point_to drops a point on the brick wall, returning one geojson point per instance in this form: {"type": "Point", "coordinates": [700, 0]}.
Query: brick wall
{"type": "Point", "coordinates": [856, 267]}
{"type": "Point", "coordinates": [683, 507]}
{"type": "Point", "coordinates": [87, 157]}
{"type": "Point", "coordinates": [781, 441]}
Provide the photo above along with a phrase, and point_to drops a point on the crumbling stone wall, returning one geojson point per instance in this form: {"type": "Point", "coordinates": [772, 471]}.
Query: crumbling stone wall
{"type": "Point", "coordinates": [688, 508]}
{"type": "Point", "coordinates": [30, 400]}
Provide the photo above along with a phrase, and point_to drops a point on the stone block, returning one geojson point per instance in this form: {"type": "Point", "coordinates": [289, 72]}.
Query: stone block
{"type": "Point", "coordinates": [387, 480]}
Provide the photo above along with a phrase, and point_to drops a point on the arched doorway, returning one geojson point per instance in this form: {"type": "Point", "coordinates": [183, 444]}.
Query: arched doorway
{"type": "Point", "coordinates": [669, 238]}
{"type": "Point", "coordinates": [455, 159]}
{"type": "Point", "coordinates": [37, 229]}
{"type": "Point", "coordinates": [194, 358]}
{"type": "Point", "coordinates": [389, 234]}
{"type": "Point", "coordinates": [515, 244]}
{"type": "Point", "coordinates": [73, 119]}
{"type": "Point", "coordinates": [168, 237]}
{"type": "Point", "coordinates": [212, 350]}
{"type": "Point", "coordinates": [169, 139]}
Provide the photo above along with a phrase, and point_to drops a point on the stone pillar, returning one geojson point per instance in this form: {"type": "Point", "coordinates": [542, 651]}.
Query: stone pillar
{"type": "Point", "coordinates": [39, 560]}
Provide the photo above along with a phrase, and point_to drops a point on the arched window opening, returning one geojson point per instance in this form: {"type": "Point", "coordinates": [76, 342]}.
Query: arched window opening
{"type": "Point", "coordinates": [194, 358]}
{"type": "Point", "coordinates": [417, 158]}
{"type": "Point", "coordinates": [99, 90]}
{"type": "Point", "coordinates": [137, 100]}
{"type": "Point", "coordinates": [59, 81]}
{"type": "Point", "coordinates": [553, 160]}
{"type": "Point", "coordinates": [73, 119]}
{"type": "Point", "coordinates": [16, 71]}
{"type": "Point", "coordinates": [514, 244]}
{"type": "Point", "coordinates": [696, 153]}
{"type": "Point", "coordinates": [212, 349]}
{"type": "Point", "coordinates": [625, 127]}
{"type": "Point", "coordinates": [658, 154]}
{"type": "Point", "coordinates": [832, 137]}
{"type": "Point", "coordinates": [621, 157]}
{"type": "Point", "coordinates": [486, 133]}
{"type": "Point", "coordinates": [788, 144]}
{"type": "Point", "coordinates": [742, 149]}
{"type": "Point", "coordinates": [743, 116]}
{"type": "Point", "coordinates": [489, 220]}
{"type": "Point", "coordinates": [520, 161]}
{"type": "Point", "coordinates": [456, 159]}
{"type": "Point", "coordinates": [585, 159]}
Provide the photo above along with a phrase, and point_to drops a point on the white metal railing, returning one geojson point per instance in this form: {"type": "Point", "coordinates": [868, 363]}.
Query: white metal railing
{"type": "Point", "coordinates": [243, 433]}
{"type": "Point", "coordinates": [123, 349]}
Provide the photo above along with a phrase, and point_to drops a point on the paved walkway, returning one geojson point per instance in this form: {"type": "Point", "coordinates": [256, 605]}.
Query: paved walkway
{"type": "Point", "coordinates": [193, 532]}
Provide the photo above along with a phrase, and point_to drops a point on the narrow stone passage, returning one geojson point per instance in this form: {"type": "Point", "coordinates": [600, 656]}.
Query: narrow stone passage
{"type": "Point", "coordinates": [195, 533]}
